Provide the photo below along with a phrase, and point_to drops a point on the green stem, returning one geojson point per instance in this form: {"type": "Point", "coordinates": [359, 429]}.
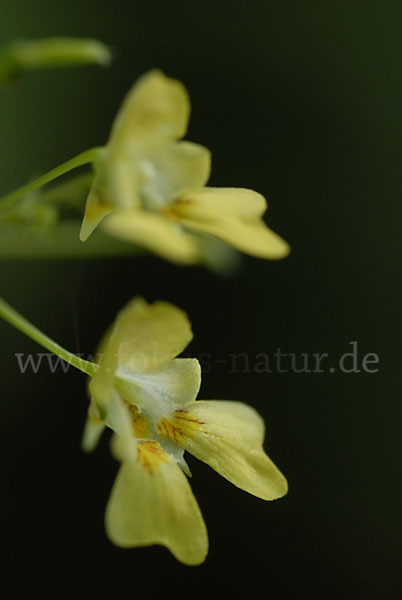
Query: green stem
{"type": "Point", "coordinates": [14, 318]}
{"type": "Point", "coordinates": [87, 157]}
{"type": "Point", "coordinates": [59, 242]}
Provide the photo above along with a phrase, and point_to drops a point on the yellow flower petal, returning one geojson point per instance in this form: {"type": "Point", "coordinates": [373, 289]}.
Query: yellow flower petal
{"type": "Point", "coordinates": [93, 429]}
{"type": "Point", "coordinates": [209, 203]}
{"type": "Point", "coordinates": [155, 232]}
{"type": "Point", "coordinates": [234, 216]}
{"type": "Point", "coordinates": [145, 336]}
{"type": "Point", "coordinates": [228, 436]}
{"type": "Point", "coordinates": [152, 503]}
{"type": "Point", "coordinates": [157, 107]}
{"type": "Point", "coordinates": [255, 239]}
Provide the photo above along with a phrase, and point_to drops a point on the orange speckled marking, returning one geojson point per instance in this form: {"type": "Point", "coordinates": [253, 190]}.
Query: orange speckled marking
{"type": "Point", "coordinates": [139, 423]}
{"type": "Point", "coordinates": [181, 426]}
{"type": "Point", "coordinates": [151, 455]}
{"type": "Point", "coordinates": [183, 202]}
{"type": "Point", "coordinates": [178, 208]}
{"type": "Point", "coordinates": [94, 420]}
{"type": "Point", "coordinates": [169, 213]}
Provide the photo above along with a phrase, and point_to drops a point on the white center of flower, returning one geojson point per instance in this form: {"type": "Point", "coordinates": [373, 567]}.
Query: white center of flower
{"type": "Point", "coordinates": [153, 189]}
{"type": "Point", "coordinates": [148, 392]}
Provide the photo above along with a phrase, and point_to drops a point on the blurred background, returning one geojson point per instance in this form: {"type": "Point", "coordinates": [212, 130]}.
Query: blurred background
{"type": "Point", "coordinates": [302, 102]}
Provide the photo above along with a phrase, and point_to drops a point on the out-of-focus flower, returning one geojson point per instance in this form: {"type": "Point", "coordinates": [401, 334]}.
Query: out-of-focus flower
{"type": "Point", "coordinates": [151, 187]}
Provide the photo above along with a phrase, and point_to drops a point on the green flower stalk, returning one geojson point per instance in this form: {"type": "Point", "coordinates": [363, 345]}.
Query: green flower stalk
{"type": "Point", "coordinates": [9, 314]}
{"type": "Point", "coordinates": [85, 158]}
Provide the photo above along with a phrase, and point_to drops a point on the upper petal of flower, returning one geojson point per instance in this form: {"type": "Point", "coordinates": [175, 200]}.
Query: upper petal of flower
{"type": "Point", "coordinates": [152, 503]}
{"type": "Point", "coordinates": [233, 215]}
{"type": "Point", "coordinates": [153, 115]}
{"type": "Point", "coordinates": [143, 337]}
{"type": "Point", "coordinates": [156, 108]}
{"type": "Point", "coordinates": [147, 336]}
{"type": "Point", "coordinates": [228, 436]}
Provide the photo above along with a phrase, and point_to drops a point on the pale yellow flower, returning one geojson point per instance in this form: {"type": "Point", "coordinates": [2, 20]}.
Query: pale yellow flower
{"type": "Point", "coordinates": [149, 188]}
{"type": "Point", "coordinates": [147, 396]}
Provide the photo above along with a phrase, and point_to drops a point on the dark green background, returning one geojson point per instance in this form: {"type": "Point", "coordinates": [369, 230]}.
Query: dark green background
{"type": "Point", "coordinates": [300, 100]}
